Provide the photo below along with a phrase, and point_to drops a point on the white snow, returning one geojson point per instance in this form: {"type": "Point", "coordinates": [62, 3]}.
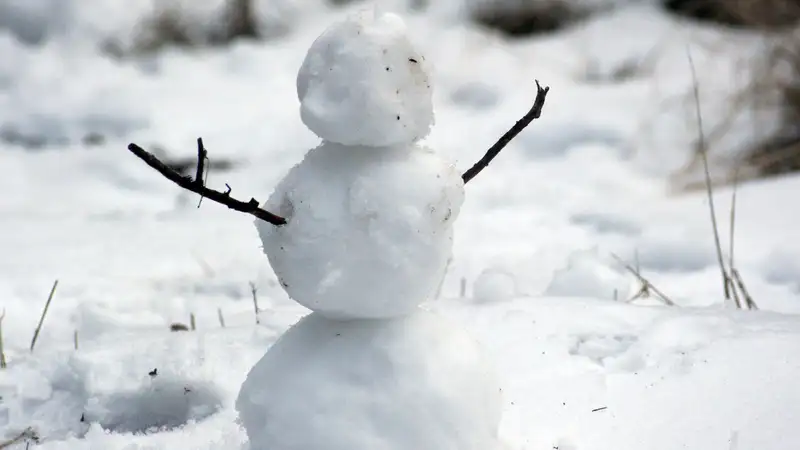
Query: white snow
{"type": "Point", "coordinates": [494, 284]}
{"type": "Point", "coordinates": [392, 384]}
{"type": "Point", "coordinates": [134, 254]}
{"type": "Point", "coordinates": [363, 82]}
{"type": "Point", "coordinates": [369, 230]}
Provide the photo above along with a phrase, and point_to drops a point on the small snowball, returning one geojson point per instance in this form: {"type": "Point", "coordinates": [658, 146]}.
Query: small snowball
{"type": "Point", "coordinates": [363, 83]}
{"type": "Point", "coordinates": [589, 275]}
{"type": "Point", "coordinates": [494, 285]}
{"type": "Point", "coordinates": [413, 382]}
{"type": "Point", "coordinates": [369, 230]}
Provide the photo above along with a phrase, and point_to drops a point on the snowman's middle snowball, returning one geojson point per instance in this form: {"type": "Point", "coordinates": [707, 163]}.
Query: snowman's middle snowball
{"type": "Point", "coordinates": [369, 230]}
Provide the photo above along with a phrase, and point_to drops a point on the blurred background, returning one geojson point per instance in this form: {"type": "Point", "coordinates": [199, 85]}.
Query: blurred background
{"type": "Point", "coordinates": [595, 44]}
{"type": "Point", "coordinates": [751, 116]}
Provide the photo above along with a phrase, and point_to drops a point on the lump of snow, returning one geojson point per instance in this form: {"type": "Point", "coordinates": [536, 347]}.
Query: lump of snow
{"type": "Point", "coordinates": [589, 275]}
{"type": "Point", "coordinates": [412, 382]}
{"type": "Point", "coordinates": [363, 83]}
{"type": "Point", "coordinates": [494, 285]}
{"type": "Point", "coordinates": [369, 230]}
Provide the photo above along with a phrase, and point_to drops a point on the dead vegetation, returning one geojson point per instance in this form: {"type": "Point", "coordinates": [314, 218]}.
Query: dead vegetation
{"type": "Point", "coordinates": [762, 14]}
{"type": "Point", "coordinates": [771, 96]}
{"type": "Point", "coordinates": [528, 17]}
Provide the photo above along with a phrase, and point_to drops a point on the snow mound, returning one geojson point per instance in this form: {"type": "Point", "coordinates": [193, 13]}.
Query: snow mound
{"type": "Point", "coordinates": [395, 384]}
{"type": "Point", "coordinates": [587, 274]}
{"type": "Point", "coordinates": [494, 284]}
{"type": "Point", "coordinates": [370, 230]}
{"type": "Point", "coordinates": [364, 83]}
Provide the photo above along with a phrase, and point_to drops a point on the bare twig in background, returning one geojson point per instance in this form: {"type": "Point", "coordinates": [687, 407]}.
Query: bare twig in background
{"type": "Point", "coordinates": [197, 185]}
{"type": "Point", "coordinates": [704, 155]}
{"type": "Point", "coordinates": [2, 352]}
{"type": "Point", "coordinates": [28, 434]}
{"type": "Point", "coordinates": [221, 318]}
{"type": "Point", "coordinates": [177, 326]}
{"type": "Point", "coordinates": [646, 284]}
{"type": "Point", "coordinates": [192, 324]}
{"type": "Point", "coordinates": [44, 313]}
{"type": "Point", "coordinates": [534, 113]}
{"type": "Point", "coordinates": [254, 291]}
{"type": "Point", "coordinates": [462, 293]}
{"type": "Point", "coordinates": [75, 339]}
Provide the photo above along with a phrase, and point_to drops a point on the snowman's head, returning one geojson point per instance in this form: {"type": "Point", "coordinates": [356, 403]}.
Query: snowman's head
{"type": "Point", "coordinates": [364, 83]}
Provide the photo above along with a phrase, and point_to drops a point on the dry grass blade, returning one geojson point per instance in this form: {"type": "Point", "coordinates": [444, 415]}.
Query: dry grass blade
{"type": "Point", "coordinates": [748, 299]}
{"type": "Point", "coordinates": [254, 291]}
{"type": "Point", "coordinates": [704, 156]}
{"type": "Point", "coordinates": [2, 351]}
{"type": "Point", "coordinates": [647, 286]}
{"type": "Point", "coordinates": [44, 313]}
{"type": "Point", "coordinates": [534, 113]}
{"type": "Point", "coordinates": [221, 318]}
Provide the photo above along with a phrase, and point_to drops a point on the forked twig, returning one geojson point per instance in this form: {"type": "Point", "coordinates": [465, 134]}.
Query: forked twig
{"type": "Point", "coordinates": [534, 113]}
{"type": "Point", "coordinates": [197, 185]}
{"type": "Point", "coordinates": [646, 284]}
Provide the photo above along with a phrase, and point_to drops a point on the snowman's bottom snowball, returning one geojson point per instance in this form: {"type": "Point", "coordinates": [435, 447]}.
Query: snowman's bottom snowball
{"type": "Point", "coordinates": [408, 383]}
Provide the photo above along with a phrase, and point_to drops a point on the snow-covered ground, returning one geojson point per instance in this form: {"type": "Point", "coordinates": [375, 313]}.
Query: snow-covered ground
{"type": "Point", "coordinates": [581, 370]}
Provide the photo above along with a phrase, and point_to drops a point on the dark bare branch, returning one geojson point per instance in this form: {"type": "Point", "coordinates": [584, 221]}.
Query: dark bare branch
{"type": "Point", "coordinates": [202, 155]}
{"type": "Point", "coordinates": [534, 113]}
{"type": "Point", "coordinates": [197, 186]}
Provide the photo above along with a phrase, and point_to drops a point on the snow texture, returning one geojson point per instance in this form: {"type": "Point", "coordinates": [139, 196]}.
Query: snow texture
{"type": "Point", "coordinates": [494, 285]}
{"type": "Point", "coordinates": [363, 82]}
{"type": "Point", "coordinates": [369, 230]}
{"type": "Point", "coordinates": [134, 254]}
{"type": "Point", "coordinates": [413, 382]}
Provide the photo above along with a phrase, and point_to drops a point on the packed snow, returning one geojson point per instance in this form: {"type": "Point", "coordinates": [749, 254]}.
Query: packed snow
{"type": "Point", "coordinates": [370, 230]}
{"type": "Point", "coordinates": [391, 384]}
{"type": "Point", "coordinates": [364, 83]}
{"type": "Point", "coordinates": [581, 366]}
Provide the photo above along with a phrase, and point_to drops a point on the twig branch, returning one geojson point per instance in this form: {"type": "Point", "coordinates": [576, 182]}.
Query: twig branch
{"type": "Point", "coordinates": [28, 434]}
{"type": "Point", "coordinates": [704, 155]}
{"type": "Point", "coordinates": [198, 187]}
{"type": "Point", "coordinates": [646, 284]}
{"type": "Point", "coordinates": [534, 113]}
{"type": "Point", "coordinates": [44, 313]}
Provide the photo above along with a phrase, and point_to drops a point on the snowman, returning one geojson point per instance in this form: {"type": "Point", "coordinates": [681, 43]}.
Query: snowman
{"type": "Point", "coordinates": [360, 233]}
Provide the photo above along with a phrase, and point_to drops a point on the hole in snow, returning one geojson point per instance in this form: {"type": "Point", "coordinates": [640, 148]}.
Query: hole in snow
{"type": "Point", "coordinates": [161, 404]}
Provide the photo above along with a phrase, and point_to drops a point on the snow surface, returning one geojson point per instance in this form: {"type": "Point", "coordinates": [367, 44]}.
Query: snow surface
{"type": "Point", "coordinates": [369, 232]}
{"type": "Point", "coordinates": [134, 254]}
{"type": "Point", "coordinates": [364, 83]}
{"type": "Point", "coordinates": [413, 382]}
